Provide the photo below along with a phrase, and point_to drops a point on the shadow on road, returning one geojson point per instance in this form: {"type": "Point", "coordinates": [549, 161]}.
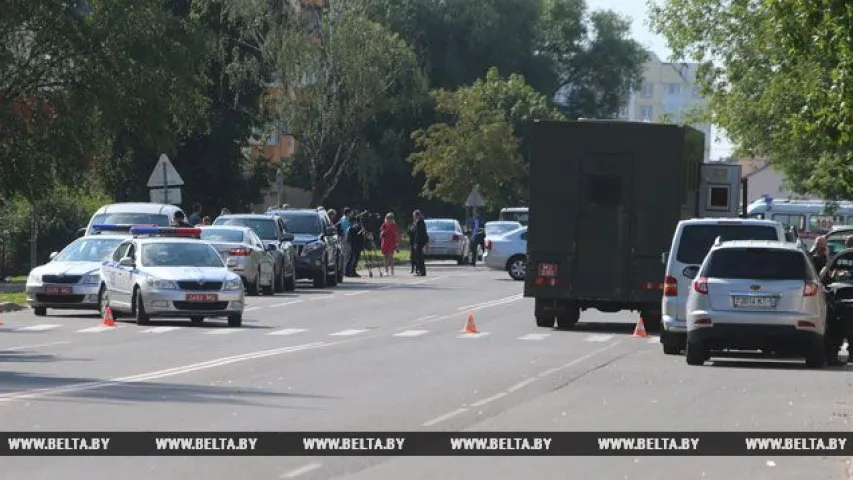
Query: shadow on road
{"type": "Point", "coordinates": [20, 356]}
{"type": "Point", "coordinates": [759, 363]}
{"type": "Point", "coordinates": [141, 392]}
{"type": "Point", "coordinates": [594, 327]}
{"type": "Point", "coordinates": [209, 323]}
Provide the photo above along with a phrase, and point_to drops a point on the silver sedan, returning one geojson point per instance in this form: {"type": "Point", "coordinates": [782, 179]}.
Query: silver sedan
{"type": "Point", "coordinates": [244, 253]}
{"type": "Point", "coordinates": [508, 252]}
{"type": "Point", "coordinates": [447, 241]}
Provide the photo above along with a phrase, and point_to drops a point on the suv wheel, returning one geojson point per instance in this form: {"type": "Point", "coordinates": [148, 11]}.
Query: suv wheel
{"type": "Point", "coordinates": [321, 277]}
{"type": "Point", "coordinates": [816, 356]}
{"type": "Point", "coordinates": [696, 354]}
{"type": "Point", "coordinates": [279, 280]}
{"type": "Point", "coordinates": [672, 343]}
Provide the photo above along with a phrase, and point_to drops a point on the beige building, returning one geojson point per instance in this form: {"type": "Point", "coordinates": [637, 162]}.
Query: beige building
{"type": "Point", "coordinates": [668, 91]}
{"type": "Point", "coordinates": [762, 179]}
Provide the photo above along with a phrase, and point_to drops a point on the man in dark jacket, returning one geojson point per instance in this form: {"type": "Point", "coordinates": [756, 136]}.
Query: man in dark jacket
{"type": "Point", "coordinates": [356, 242]}
{"type": "Point", "coordinates": [421, 239]}
{"type": "Point", "coordinates": [180, 220]}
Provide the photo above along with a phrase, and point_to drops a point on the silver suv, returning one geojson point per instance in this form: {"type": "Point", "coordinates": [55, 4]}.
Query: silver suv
{"type": "Point", "coordinates": [756, 295]}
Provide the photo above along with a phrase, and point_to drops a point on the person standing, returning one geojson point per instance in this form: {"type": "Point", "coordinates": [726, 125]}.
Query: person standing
{"type": "Point", "coordinates": [356, 242]}
{"type": "Point", "coordinates": [389, 237]}
{"type": "Point", "coordinates": [343, 229]}
{"type": "Point", "coordinates": [179, 220]}
{"type": "Point", "coordinates": [421, 241]}
{"type": "Point", "coordinates": [410, 234]}
{"type": "Point", "coordinates": [195, 217]}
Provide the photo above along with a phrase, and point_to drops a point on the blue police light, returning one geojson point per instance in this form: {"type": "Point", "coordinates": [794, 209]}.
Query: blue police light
{"type": "Point", "coordinates": [106, 227]}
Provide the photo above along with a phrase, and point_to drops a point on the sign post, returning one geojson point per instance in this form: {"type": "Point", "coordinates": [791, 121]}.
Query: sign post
{"type": "Point", "coordinates": [279, 186]}
{"type": "Point", "coordinates": [474, 201]}
{"type": "Point", "coordinates": [164, 176]}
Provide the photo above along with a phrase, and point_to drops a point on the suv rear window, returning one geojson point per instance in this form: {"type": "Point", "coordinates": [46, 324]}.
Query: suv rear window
{"type": "Point", "coordinates": [697, 240]}
{"type": "Point", "coordinates": [756, 263]}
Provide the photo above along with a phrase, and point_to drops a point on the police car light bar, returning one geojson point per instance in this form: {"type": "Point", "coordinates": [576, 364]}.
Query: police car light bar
{"type": "Point", "coordinates": [110, 227]}
{"type": "Point", "coordinates": [167, 231]}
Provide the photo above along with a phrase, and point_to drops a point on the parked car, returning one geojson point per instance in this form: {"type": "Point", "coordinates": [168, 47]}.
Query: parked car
{"type": "Point", "coordinates": [270, 228]}
{"type": "Point", "coordinates": [508, 252]}
{"type": "Point", "coordinates": [317, 246]}
{"type": "Point", "coordinates": [244, 253]}
{"type": "Point", "coordinates": [447, 241]}
{"type": "Point", "coordinates": [156, 214]}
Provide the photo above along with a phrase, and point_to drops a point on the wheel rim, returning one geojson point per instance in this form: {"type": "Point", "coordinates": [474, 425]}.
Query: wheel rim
{"type": "Point", "coordinates": [517, 268]}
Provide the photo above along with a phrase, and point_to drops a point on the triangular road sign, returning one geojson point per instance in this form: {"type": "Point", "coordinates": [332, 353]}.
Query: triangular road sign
{"type": "Point", "coordinates": [172, 178]}
{"type": "Point", "coordinates": [474, 198]}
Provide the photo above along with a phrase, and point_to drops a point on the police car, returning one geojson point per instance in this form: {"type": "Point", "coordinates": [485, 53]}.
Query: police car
{"type": "Point", "coordinates": [168, 272]}
{"type": "Point", "coordinates": [72, 278]}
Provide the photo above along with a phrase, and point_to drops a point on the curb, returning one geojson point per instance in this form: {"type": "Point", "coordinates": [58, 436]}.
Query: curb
{"type": "Point", "coordinates": [10, 307]}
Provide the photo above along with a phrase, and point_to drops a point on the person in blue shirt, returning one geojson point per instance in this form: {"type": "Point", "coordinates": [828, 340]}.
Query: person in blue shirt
{"type": "Point", "coordinates": [344, 225]}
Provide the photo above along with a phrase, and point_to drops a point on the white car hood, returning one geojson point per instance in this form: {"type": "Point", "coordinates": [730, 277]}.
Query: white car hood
{"type": "Point", "coordinates": [209, 274]}
{"type": "Point", "coordinates": [68, 268]}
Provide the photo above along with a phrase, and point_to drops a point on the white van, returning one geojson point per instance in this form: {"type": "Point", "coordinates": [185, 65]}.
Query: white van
{"type": "Point", "coordinates": [157, 214]}
{"type": "Point", "coordinates": [691, 242]}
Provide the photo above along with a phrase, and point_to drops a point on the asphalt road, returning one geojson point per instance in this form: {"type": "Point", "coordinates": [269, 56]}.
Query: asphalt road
{"type": "Point", "coordinates": [387, 354]}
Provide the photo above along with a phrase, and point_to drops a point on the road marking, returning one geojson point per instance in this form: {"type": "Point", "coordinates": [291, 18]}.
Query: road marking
{"type": "Point", "coordinates": [491, 302]}
{"type": "Point", "coordinates": [301, 470]}
{"type": "Point", "coordinates": [472, 335]}
{"type": "Point", "coordinates": [495, 304]}
{"type": "Point", "coordinates": [27, 347]}
{"type": "Point", "coordinates": [443, 417]}
{"type": "Point", "coordinates": [98, 329]}
{"type": "Point", "coordinates": [285, 303]}
{"type": "Point", "coordinates": [654, 340]}
{"type": "Point", "coordinates": [490, 399]}
{"type": "Point", "coordinates": [520, 385]}
{"type": "Point", "coordinates": [423, 318]}
{"type": "Point", "coordinates": [37, 328]}
{"type": "Point", "coordinates": [324, 297]}
{"type": "Point", "coordinates": [223, 331]}
{"type": "Point", "coordinates": [411, 333]}
{"type": "Point", "coordinates": [288, 331]}
{"type": "Point", "coordinates": [577, 360]}
{"type": "Point", "coordinates": [352, 294]}
{"type": "Point", "coordinates": [250, 309]}
{"type": "Point", "coordinates": [419, 282]}
{"type": "Point", "coordinates": [535, 336]}
{"type": "Point", "coordinates": [599, 338]}
{"type": "Point", "coordinates": [161, 329]}
{"type": "Point", "coordinates": [43, 392]}
{"type": "Point", "coordinates": [346, 333]}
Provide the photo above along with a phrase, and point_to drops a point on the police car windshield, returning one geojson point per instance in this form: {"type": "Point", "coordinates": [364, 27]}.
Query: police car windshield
{"type": "Point", "coordinates": [180, 255]}
{"type": "Point", "coordinates": [300, 223]}
{"type": "Point", "coordinates": [756, 264]}
{"type": "Point", "coordinates": [88, 249]}
{"type": "Point", "coordinates": [697, 240]}
{"type": "Point", "coordinates": [132, 219]}
{"type": "Point", "coordinates": [264, 228]}
{"type": "Point", "coordinates": [441, 225]}
{"type": "Point", "coordinates": [222, 235]}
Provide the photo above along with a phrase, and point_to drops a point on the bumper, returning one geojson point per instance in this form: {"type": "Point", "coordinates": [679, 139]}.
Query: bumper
{"type": "Point", "coordinates": [674, 325]}
{"type": "Point", "coordinates": [494, 262]}
{"type": "Point", "coordinates": [308, 265]}
{"type": "Point", "coordinates": [443, 251]}
{"type": "Point", "coordinates": [754, 337]}
{"type": "Point", "coordinates": [81, 297]}
{"type": "Point", "coordinates": [174, 304]}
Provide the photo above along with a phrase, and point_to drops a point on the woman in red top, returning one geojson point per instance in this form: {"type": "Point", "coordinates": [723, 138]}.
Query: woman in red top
{"type": "Point", "coordinates": [390, 240]}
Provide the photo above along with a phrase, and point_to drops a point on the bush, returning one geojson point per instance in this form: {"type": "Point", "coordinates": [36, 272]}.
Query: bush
{"type": "Point", "coordinates": [60, 213]}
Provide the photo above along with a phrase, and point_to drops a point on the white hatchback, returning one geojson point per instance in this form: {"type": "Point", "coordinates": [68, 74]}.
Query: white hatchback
{"type": "Point", "coordinates": [756, 295]}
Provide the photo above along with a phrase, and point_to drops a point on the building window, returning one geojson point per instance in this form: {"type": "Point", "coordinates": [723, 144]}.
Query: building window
{"type": "Point", "coordinates": [673, 89]}
{"type": "Point", "coordinates": [648, 89]}
{"type": "Point", "coordinates": [646, 113]}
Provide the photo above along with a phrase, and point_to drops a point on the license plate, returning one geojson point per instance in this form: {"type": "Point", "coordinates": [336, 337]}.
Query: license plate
{"type": "Point", "coordinates": [547, 269]}
{"type": "Point", "coordinates": [754, 302]}
{"type": "Point", "coordinates": [202, 297]}
{"type": "Point", "coordinates": [57, 290]}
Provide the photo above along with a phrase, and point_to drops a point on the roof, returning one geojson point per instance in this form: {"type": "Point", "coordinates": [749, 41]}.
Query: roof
{"type": "Point", "coordinates": [501, 222]}
{"type": "Point", "coordinates": [255, 216]}
{"type": "Point", "coordinates": [104, 236]}
{"type": "Point", "coordinates": [298, 211]}
{"type": "Point", "coordinates": [156, 239]}
{"type": "Point", "coordinates": [729, 221]}
{"type": "Point", "coordinates": [515, 209]}
{"type": "Point", "coordinates": [241, 228]}
{"type": "Point", "coordinates": [759, 244]}
{"type": "Point", "coordinates": [138, 207]}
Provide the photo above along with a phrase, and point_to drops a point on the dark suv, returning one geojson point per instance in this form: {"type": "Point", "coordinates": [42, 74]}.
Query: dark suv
{"type": "Point", "coordinates": [318, 250]}
{"type": "Point", "coordinates": [277, 240]}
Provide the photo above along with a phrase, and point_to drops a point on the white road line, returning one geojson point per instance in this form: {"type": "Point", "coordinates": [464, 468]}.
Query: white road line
{"type": "Point", "coordinates": [419, 282]}
{"type": "Point", "coordinates": [495, 304]}
{"type": "Point", "coordinates": [324, 297]}
{"type": "Point", "coordinates": [411, 333]}
{"type": "Point", "coordinates": [98, 329]}
{"type": "Point", "coordinates": [27, 347]}
{"type": "Point", "coordinates": [423, 318]}
{"type": "Point", "coordinates": [490, 302]}
{"type": "Point", "coordinates": [598, 338]}
{"type": "Point", "coordinates": [223, 331]}
{"type": "Point", "coordinates": [346, 333]}
{"type": "Point", "coordinates": [37, 328]}
{"type": "Point", "coordinates": [161, 329]}
{"type": "Point", "coordinates": [535, 336]}
{"type": "Point", "coordinates": [301, 470]}
{"type": "Point", "coordinates": [577, 360]}
{"type": "Point", "coordinates": [654, 340]}
{"type": "Point", "coordinates": [285, 303]}
{"type": "Point", "coordinates": [250, 309]}
{"type": "Point", "coordinates": [288, 331]}
{"type": "Point", "coordinates": [472, 335]}
{"type": "Point", "coordinates": [441, 418]}
{"type": "Point", "coordinates": [43, 392]}
{"type": "Point", "coordinates": [490, 399]}
{"type": "Point", "coordinates": [352, 294]}
{"type": "Point", "coordinates": [520, 385]}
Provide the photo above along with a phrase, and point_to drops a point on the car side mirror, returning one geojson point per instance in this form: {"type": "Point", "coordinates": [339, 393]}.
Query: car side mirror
{"type": "Point", "coordinates": [331, 231]}
{"type": "Point", "coordinates": [271, 247]}
{"type": "Point", "coordinates": [287, 237]}
{"type": "Point", "coordinates": [691, 272]}
{"type": "Point", "coordinates": [53, 255]}
{"type": "Point", "coordinates": [127, 262]}
{"type": "Point", "coordinates": [81, 232]}
{"type": "Point", "coordinates": [663, 257]}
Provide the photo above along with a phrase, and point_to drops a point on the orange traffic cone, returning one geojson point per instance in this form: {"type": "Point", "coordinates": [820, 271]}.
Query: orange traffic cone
{"type": "Point", "coordinates": [470, 326]}
{"type": "Point", "coordinates": [108, 318]}
{"type": "Point", "coordinates": [640, 329]}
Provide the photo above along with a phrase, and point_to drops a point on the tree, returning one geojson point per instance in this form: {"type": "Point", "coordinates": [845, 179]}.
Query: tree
{"type": "Point", "coordinates": [778, 78]}
{"type": "Point", "coordinates": [479, 141]}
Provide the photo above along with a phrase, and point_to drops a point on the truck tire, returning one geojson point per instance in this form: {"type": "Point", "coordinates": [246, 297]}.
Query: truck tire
{"type": "Point", "coordinates": [545, 321]}
{"type": "Point", "coordinates": [570, 318]}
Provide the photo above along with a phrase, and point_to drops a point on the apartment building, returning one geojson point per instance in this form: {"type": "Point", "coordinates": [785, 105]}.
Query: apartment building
{"type": "Point", "coordinates": [669, 90]}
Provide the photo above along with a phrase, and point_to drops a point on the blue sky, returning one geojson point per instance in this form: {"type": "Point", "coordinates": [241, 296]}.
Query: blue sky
{"type": "Point", "coordinates": [638, 11]}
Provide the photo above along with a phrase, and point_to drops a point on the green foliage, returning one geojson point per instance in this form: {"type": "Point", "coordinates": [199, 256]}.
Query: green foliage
{"type": "Point", "coordinates": [780, 83]}
{"type": "Point", "coordinates": [479, 142]}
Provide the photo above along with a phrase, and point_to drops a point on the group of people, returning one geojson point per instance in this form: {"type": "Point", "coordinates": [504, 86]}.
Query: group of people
{"type": "Point", "coordinates": [838, 328]}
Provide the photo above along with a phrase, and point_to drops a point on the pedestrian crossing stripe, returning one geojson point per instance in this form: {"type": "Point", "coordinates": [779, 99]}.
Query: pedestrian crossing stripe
{"type": "Point", "coordinates": [599, 338]}
{"type": "Point", "coordinates": [223, 331]}
{"type": "Point", "coordinates": [411, 333]}
{"type": "Point", "coordinates": [288, 331]}
{"type": "Point", "coordinates": [472, 335]}
{"type": "Point", "coordinates": [98, 329]}
{"type": "Point", "coordinates": [37, 328]}
{"type": "Point", "coordinates": [535, 336]}
{"type": "Point", "coordinates": [347, 333]}
{"type": "Point", "coordinates": [161, 329]}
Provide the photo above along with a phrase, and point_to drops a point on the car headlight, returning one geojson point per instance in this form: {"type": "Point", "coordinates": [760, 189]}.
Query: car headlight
{"type": "Point", "coordinates": [312, 246]}
{"type": "Point", "coordinates": [235, 284]}
{"type": "Point", "coordinates": [34, 278]}
{"type": "Point", "coordinates": [91, 279]}
{"type": "Point", "coordinates": [158, 284]}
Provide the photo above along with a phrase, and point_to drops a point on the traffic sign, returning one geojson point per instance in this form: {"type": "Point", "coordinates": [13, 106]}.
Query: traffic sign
{"type": "Point", "coordinates": [164, 174]}
{"type": "Point", "coordinates": [173, 198]}
{"type": "Point", "coordinates": [474, 198]}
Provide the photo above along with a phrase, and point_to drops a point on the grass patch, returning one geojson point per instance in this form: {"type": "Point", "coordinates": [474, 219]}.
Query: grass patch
{"type": "Point", "coordinates": [18, 279]}
{"type": "Point", "coordinates": [14, 297]}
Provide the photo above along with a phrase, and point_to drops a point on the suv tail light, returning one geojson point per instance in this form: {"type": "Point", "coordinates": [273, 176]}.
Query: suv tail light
{"type": "Point", "coordinates": [670, 286]}
{"type": "Point", "coordinates": [240, 252]}
{"type": "Point", "coordinates": [701, 286]}
{"type": "Point", "coordinates": [810, 289]}
{"type": "Point", "coordinates": [455, 238]}
{"type": "Point", "coordinates": [488, 244]}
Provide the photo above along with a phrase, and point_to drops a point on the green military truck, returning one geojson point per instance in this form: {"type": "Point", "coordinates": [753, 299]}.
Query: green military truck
{"type": "Point", "coordinates": [605, 197]}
